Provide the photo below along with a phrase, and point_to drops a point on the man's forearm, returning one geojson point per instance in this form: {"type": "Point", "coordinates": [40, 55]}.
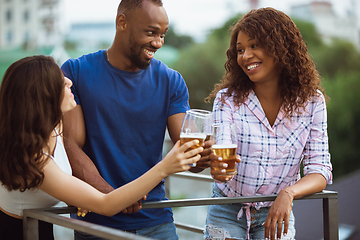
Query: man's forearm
{"type": "Point", "coordinates": [84, 169]}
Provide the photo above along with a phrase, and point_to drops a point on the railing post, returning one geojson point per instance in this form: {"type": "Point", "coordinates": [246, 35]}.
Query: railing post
{"type": "Point", "coordinates": [30, 228]}
{"type": "Point", "coordinates": [331, 218]}
{"type": "Point", "coordinates": [167, 188]}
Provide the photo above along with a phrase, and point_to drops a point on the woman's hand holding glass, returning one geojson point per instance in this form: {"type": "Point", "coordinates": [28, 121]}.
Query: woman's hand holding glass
{"type": "Point", "coordinates": [181, 158]}
{"type": "Point", "coordinates": [219, 167]}
{"type": "Point", "coordinates": [196, 125]}
{"type": "Point", "coordinates": [224, 145]}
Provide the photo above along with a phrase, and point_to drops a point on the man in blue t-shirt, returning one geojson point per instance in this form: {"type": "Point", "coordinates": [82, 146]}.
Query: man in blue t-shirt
{"type": "Point", "coordinates": [126, 99]}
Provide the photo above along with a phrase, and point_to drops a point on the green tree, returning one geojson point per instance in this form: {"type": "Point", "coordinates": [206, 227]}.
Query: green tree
{"type": "Point", "coordinates": [202, 65]}
{"type": "Point", "coordinates": [200, 72]}
{"type": "Point", "coordinates": [339, 65]}
{"type": "Point", "coordinates": [339, 56]}
{"type": "Point", "coordinates": [176, 40]}
{"type": "Point", "coordinates": [308, 32]}
{"type": "Point", "coordinates": [343, 127]}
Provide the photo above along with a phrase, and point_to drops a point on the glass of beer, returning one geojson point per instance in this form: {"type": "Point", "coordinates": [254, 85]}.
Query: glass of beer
{"type": "Point", "coordinates": [209, 122]}
{"type": "Point", "coordinates": [195, 126]}
{"type": "Point", "coordinates": [225, 144]}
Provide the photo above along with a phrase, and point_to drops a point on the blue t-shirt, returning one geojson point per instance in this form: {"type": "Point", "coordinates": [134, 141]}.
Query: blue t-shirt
{"type": "Point", "coordinates": [125, 117]}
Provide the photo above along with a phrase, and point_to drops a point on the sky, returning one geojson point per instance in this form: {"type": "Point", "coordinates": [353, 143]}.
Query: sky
{"type": "Point", "coordinates": [188, 17]}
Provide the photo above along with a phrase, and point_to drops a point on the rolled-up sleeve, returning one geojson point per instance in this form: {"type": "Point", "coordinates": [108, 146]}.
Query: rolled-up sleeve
{"type": "Point", "coordinates": [316, 151]}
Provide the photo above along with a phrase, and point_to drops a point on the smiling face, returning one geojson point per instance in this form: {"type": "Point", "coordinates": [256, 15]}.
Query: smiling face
{"type": "Point", "coordinates": [254, 60]}
{"type": "Point", "coordinates": [147, 28]}
{"type": "Point", "coordinates": [68, 102]}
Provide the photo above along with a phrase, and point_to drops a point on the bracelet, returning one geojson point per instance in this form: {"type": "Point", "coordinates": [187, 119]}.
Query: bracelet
{"type": "Point", "coordinates": [291, 195]}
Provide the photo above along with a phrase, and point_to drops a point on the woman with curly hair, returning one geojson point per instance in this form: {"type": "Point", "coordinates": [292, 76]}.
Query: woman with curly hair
{"type": "Point", "coordinates": [34, 169]}
{"type": "Point", "coordinates": [271, 91]}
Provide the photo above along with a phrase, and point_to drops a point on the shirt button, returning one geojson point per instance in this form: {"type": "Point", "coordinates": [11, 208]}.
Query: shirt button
{"type": "Point", "coordinates": [253, 219]}
{"type": "Point", "coordinates": [254, 211]}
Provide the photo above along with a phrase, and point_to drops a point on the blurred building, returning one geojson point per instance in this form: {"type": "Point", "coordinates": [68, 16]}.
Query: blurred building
{"type": "Point", "coordinates": [327, 23]}
{"type": "Point", "coordinates": [30, 23]}
{"type": "Point", "coordinates": [92, 35]}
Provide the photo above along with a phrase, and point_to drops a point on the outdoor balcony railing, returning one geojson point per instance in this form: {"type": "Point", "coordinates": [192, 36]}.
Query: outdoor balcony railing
{"type": "Point", "coordinates": [51, 215]}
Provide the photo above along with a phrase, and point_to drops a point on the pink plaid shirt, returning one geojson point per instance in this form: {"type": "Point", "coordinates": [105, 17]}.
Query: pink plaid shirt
{"type": "Point", "coordinates": [271, 156]}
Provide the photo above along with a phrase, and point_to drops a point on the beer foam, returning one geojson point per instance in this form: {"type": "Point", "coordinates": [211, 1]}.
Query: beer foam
{"type": "Point", "coordinates": [193, 135]}
{"type": "Point", "coordinates": [222, 146]}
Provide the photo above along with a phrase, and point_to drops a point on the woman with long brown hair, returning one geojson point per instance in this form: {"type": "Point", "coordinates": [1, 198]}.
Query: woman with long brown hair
{"type": "Point", "coordinates": [34, 168]}
{"type": "Point", "coordinates": [271, 91]}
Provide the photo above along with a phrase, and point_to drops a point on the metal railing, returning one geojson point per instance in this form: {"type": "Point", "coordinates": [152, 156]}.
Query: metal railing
{"type": "Point", "coordinates": [31, 217]}
{"type": "Point", "coordinates": [330, 205]}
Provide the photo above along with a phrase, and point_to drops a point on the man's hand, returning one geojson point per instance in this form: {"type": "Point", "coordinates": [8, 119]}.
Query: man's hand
{"type": "Point", "coordinates": [204, 161]}
{"type": "Point", "coordinates": [135, 207]}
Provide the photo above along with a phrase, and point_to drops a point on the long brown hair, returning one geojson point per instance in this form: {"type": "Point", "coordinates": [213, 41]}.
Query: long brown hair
{"type": "Point", "coordinates": [275, 32]}
{"type": "Point", "coordinates": [31, 93]}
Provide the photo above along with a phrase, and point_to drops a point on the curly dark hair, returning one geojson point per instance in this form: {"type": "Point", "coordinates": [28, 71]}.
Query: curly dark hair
{"type": "Point", "coordinates": [278, 35]}
{"type": "Point", "coordinates": [31, 94]}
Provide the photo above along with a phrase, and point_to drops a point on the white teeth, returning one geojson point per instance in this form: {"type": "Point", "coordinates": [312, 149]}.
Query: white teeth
{"type": "Point", "coordinates": [149, 52]}
{"type": "Point", "coordinates": [252, 66]}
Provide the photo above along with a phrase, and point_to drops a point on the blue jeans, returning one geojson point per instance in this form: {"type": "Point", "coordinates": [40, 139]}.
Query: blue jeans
{"type": "Point", "coordinates": [222, 222]}
{"type": "Point", "coordinates": [166, 231]}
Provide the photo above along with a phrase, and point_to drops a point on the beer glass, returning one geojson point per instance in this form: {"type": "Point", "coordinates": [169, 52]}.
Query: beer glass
{"type": "Point", "coordinates": [209, 122]}
{"type": "Point", "coordinates": [195, 126]}
{"type": "Point", "coordinates": [224, 142]}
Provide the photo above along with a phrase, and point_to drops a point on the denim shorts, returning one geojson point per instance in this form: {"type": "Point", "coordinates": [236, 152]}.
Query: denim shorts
{"type": "Point", "coordinates": [166, 231]}
{"type": "Point", "coordinates": [222, 222]}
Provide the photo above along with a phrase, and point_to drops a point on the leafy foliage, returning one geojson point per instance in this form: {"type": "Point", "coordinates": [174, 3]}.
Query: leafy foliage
{"type": "Point", "coordinates": [202, 65]}
{"type": "Point", "coordinates": [177, 41]}
{"type": "Point", "coordinates": [343, 115]}
{"type": "Point", "coordinates": [340, 56]}
{"type": "Point", "coordinates": [308, 32]}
